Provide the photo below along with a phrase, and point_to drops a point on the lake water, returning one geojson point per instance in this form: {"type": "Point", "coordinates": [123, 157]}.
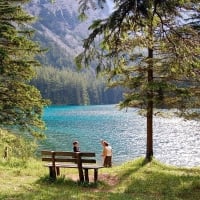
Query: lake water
{"type": "Point", "coordinates": [176, 141]}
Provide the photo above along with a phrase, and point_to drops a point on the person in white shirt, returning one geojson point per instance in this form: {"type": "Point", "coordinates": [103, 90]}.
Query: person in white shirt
{"type": "Point", "coordinates": [106, 154]}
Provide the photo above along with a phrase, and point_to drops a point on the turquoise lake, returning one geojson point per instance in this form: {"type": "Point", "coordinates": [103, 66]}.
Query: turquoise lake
{"type": "Point", "coordinates": [176, 141]}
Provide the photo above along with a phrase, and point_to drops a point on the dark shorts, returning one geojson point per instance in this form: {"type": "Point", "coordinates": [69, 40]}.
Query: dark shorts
{"type": "Point", "coordinates": [108, 161]}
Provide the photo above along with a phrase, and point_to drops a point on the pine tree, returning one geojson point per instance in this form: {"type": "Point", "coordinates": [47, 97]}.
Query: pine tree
{"type": "Point", "coordinates": [150, 48]}
{"type": "Point", "coordinates": [21, 104]}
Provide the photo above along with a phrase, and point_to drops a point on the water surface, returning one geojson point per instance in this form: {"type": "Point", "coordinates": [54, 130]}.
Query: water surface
{"type": "Point", "coordinates": [176, 141]}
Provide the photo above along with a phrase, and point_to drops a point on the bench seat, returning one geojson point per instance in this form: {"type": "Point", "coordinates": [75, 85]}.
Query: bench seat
{"type": "Point", "coordinates": [63, 165]}
{"type": "Point", "coordinates": [95, 168]}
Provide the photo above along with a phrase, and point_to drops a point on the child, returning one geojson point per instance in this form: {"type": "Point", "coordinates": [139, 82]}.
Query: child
{"type": "Point", "coordinates": [76, 147]}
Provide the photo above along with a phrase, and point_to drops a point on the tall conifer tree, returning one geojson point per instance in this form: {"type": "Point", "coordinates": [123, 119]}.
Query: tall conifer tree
{"type": "Point", "coordinates": [150, 48]}
{"type": "Point", "coordinates": [21, 104]}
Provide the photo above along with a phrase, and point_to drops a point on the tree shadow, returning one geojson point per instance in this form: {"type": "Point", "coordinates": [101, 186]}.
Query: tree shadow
{"type": "Point", "coordinates": [68, 182]}
{"type": "Point", "coordinates": [131, 168]}
{"type": "Point", "coordinates": [163, 183]}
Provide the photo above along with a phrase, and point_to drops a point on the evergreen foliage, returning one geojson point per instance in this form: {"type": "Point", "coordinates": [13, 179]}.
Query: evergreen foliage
{"type": "Point", "coordinates": [14, 146]}
{"type": "Point", "coordinates": [151, 48]}
{"type": "Point", "coordinates": [21, 104]}
{"type": "Point", "coordinates": [66, 87]}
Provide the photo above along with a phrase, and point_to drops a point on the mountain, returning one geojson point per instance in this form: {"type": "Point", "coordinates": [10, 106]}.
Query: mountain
{"type": "Point", "coordinates": [59, 29]}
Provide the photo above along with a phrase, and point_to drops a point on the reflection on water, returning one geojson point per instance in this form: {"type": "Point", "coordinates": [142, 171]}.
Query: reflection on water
{"type": "Point", "coordinates": [176, 141]}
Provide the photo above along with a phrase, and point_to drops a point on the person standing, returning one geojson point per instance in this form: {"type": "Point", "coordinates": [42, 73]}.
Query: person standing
{"type": "Point", "coordinates": [76, 147]}
{"type": "Point", "coordinates": [106, 154]}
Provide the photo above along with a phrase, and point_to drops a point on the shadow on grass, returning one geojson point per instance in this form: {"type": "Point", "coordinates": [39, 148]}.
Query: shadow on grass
{"type": "Point", "coordinates": [164, 183]}
{"type": "Point", "coordinates": [46, 180]}
{"type": "Point", "coordinates": [125, 172]}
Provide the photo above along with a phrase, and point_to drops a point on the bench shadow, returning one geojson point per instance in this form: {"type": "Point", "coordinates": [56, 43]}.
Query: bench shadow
{"type": "Point", "coordinates": [66, 181]}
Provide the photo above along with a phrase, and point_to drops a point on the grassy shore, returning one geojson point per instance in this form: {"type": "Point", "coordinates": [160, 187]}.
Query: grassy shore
{"type": "Point", "coordinates": [132, 180]}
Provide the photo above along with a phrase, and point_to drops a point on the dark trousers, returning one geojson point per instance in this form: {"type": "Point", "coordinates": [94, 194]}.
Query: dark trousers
{"type": "Point", "coordinates": [108, 161]}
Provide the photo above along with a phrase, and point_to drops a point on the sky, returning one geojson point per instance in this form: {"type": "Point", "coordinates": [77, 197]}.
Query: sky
{"type": "Point", "coordinates": [110, 4]}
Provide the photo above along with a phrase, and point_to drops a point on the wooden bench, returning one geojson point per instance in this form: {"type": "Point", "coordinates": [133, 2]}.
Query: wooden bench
{"type": "Point", "coordinates": [83, 161]}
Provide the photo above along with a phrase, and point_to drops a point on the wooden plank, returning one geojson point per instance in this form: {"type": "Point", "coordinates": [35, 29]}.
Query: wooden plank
{"type": "Point", "coordinates": [45, 152]}
{"type": "Point", "coordinates": [87, 154]}
{"type": "Point", "coordinates": [83, 160]}
{"type": "Point", "coordinates": [47, 159]}
{"type": "Point", "coordinates": [64, 153]}
{"type": "Point", "coordinates": [65, 159]}
{"type": "Point", "coordinates": [66, 165]}
{"type": "Point", "coordinates": [48, 165]}
{"type": "Point", "coordinates": [92, 166]}
{"type": "Point", "coordinates": [61, 165]}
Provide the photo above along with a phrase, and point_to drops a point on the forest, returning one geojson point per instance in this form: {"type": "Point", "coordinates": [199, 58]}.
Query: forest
{"type": "Point", "coordinates": [67, 87]}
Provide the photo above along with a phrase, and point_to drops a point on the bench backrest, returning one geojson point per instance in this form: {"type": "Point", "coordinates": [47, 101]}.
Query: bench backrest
{"type": "Point", "coordinates": [87, 157]}
{"type": "Point", "coordinates": [69, 157]}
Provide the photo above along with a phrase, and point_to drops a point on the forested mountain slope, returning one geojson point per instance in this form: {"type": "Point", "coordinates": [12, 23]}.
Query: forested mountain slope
{"type": "Point", "coordinates": [59, 29]}
{"type": "Point", "coordinates": [67, 87]}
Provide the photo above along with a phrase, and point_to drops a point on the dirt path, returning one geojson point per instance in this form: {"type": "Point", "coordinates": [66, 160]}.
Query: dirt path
{"type": "Point", "coordinates": [106, 178]}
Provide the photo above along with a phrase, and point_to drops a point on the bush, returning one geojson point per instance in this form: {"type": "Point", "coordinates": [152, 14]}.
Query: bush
{"type": "Point", "coordinates": [15, 146]}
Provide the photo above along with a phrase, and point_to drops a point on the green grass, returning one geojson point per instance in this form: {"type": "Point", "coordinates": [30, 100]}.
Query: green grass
{"type": "Point", "coordinates": [135, 180]}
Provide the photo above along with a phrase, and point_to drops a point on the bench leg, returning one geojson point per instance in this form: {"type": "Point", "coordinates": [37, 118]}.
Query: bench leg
{"type": "Point", "coordinates": [95, 175]}
{"type": "Point", "coordinates": [58, 171]}
{"type": "Point", "coordinates": [86, 176]}
{"type": "Point", "coordinates": [81, 176]}
{"type": "Point", "coordinates": [52, 172]}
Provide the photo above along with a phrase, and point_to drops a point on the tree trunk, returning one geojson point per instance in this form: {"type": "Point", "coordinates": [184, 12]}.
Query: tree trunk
{"type": "Point", "coordinates": [149, 150]}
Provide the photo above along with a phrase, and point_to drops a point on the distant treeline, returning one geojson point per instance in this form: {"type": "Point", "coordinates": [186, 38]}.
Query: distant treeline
{"type": "Point", "coordinates": [64, 86]}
